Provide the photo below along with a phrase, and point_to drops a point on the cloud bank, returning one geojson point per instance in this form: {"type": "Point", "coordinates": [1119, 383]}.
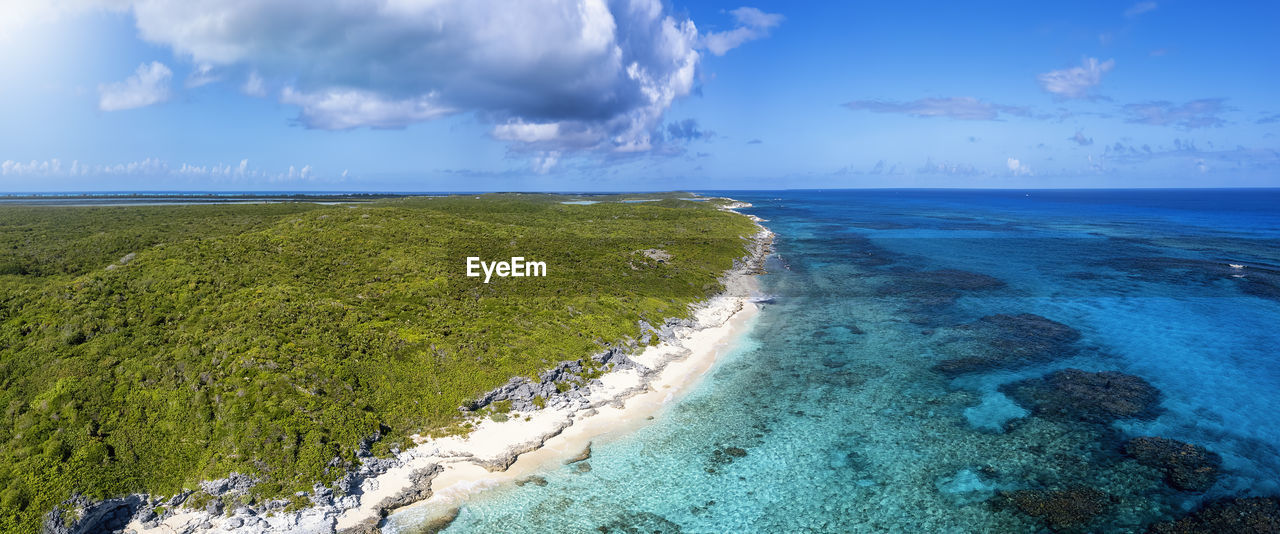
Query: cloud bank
{"type": "Point", "coordinates": [153, 168]}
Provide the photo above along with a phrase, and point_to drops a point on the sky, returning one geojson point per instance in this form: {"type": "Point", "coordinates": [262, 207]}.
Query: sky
{"type": "Point", "coordinates": [630, 95]}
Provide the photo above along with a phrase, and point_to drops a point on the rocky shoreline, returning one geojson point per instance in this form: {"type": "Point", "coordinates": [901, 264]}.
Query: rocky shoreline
{"type": "Point", "coordinates": [358, 502]}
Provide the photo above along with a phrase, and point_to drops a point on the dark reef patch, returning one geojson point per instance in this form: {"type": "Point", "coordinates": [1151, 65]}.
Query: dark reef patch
{"type": "Point", "coordinates": [724, 456]}
{"type": "Point", "coordinates": [1186, 467]}
{"type": "Point", "coordinates": [1007, 341]}
{"type": "Point", "coordinates": [1066, 509]}
{"type": "Point", "coordinates": [1075, 395]}
{"type": "Point", "coordinates": [1255, 515]}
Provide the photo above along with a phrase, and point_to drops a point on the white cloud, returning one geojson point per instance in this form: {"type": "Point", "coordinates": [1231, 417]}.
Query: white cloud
{"type": "Point", "coordinates": [1018, 168]}
{"type": "Point", "coordinates": [148, 85]}
{"type": "Point", "coordinates": [602, 73]}
{"type": "Point", "coordinates": [254, 85]}
{"type": "Point", "coordinates": [340, 109]}
{"type": "Point", "coordinates": [527, 132]}
{"type": "Point", "coordinates": [1139, 8]}
{"type": "Point", "coordinates": [752, 24]}
{"type": "Point", "coordinates": [598, 74]}
{"type": "Point", "coordinates": [203, 74]}
{"type": "Point", "coordinates": [1076, 82]}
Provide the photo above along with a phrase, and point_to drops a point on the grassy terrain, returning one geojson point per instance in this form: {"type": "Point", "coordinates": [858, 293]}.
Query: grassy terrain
{"type": "Point", "coordinates": [270, 339]}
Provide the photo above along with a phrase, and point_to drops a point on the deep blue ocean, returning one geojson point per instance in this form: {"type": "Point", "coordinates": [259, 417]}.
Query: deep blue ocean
{"type": "Point", "coordinates": [897, 382]}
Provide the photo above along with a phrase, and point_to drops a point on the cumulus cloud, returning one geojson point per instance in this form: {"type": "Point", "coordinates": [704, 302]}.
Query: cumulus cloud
{"type": "Point", "coordinates": [752, 24]}
{"type": "Point", "coordinates": [1076, 82]}
{"type": "Point", "coordinates": [588, 75]}
{"type": "Point", "coordinates": [148, 85]}
{"type": "Point", "coordinates": [1201, 113]}
{"type": "Point", "coordinates": [1139, 8]}
{"type": "Point", "coordinates": [1017, 167]}
{"type": "Point", "coordinates": [1080, 139]}
{"type": "Point", "coordinates": [963, 108]}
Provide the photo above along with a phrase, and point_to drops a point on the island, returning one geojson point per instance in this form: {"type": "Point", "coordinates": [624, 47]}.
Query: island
{"type": "Point", "coordinates": [306, 366]}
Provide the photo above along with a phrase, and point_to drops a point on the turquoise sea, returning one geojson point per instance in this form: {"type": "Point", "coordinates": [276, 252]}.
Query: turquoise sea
{"type": "Point", "coordinates": [911, 375]}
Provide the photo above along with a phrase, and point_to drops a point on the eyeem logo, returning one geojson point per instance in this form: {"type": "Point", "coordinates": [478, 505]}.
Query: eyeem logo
{"type": "Point", "coordinates": [517, 267]}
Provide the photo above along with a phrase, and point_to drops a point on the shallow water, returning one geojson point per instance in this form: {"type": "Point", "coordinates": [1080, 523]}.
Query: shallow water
{"type": "Point", "coordinates": [830, 417]}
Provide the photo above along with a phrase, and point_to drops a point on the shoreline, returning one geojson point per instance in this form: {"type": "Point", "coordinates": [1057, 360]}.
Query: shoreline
{"type": "Point", "coordinates": [674, 379]}
{"type": "Point", "coordinates": [436, 472]}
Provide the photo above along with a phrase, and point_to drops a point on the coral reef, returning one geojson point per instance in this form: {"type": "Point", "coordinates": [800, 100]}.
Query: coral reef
{"type": "Point", "coordinates": [1186, 467]}
{"type": "Point", "coordinates": [1075, 395]}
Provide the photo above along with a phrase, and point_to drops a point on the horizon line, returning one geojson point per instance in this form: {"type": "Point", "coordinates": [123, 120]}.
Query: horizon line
{"type": "Point", "coordinates": [372, 192]}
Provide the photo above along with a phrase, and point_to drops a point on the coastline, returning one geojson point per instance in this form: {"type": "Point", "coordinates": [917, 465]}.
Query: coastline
{"type": "Point", "coordinates": [437, 472]}
{"type": "Point", "coordinates": [675, 374]}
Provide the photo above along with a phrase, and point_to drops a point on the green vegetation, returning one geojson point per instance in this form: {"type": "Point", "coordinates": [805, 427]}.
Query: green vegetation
{"type": "Point", "coordinates": [269, 339]}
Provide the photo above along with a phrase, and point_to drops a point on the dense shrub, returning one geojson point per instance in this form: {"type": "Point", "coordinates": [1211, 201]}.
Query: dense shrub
{"type": "Point", "coordinates": [270, 339]}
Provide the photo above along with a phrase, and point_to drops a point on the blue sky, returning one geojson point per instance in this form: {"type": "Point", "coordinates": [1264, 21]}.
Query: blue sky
{"type": "Point", "coordinates": [452, 95]}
